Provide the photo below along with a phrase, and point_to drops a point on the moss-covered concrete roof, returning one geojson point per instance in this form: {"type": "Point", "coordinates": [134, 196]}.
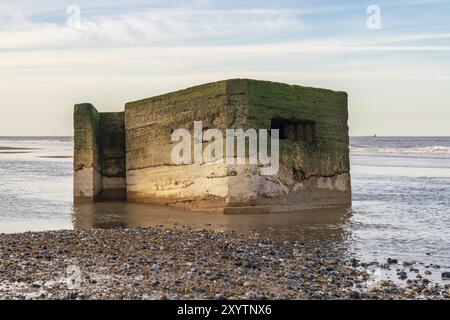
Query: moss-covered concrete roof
{"type": "Point", "coordinates": [207, 88]}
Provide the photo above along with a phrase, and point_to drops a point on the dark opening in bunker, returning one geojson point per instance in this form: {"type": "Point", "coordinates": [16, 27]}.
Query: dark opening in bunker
{"type": "Point", "coordinates": [298, 131]}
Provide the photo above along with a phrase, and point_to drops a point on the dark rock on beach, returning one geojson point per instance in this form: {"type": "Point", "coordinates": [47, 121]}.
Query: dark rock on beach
{"type": "Point", "coordinates": [392, 261]}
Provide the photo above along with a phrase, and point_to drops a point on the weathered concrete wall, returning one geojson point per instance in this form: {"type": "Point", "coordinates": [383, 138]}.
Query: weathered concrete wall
{"type": "Point", "coordinates": [112, 137]}
{"type": "Point", "coordinates": [151, 175]}
{"type": "Point", "coordinates": [99, 157]}
{"type": "Point", "coordinates": [87, 155]}
{"type": "Point", "coordinates": [314, 171]}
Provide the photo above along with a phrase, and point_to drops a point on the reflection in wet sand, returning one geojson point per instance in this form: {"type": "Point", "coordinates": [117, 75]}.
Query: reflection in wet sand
{"type": "Point", "coordinates": [3, 148]}
{"type": "Point", "coordinates": [14, 152]}
{"type": "Point", "coordinates": [55, 157]}
{"type": "Point", "coordinates": [324, 224]}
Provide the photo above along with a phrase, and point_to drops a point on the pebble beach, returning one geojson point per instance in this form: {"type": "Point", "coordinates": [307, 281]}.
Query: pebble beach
{"type": "Point", "coordinates": [183, 263]}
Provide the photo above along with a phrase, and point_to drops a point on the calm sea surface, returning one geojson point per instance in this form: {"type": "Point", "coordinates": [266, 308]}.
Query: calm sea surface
{"type": "Point", "coordinates": [401, 201]}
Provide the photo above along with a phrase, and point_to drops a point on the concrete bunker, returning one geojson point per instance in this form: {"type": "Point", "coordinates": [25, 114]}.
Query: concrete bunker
{"type": "Point", "coordinates": [126, 155]}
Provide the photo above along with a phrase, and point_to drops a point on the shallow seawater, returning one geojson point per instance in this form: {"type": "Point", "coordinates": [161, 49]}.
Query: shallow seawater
{"type": "Point", "coordinates": [401, 202]}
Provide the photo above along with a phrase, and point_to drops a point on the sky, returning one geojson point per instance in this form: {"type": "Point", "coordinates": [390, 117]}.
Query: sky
{"type": "Point", "coordinates": [392, 57]}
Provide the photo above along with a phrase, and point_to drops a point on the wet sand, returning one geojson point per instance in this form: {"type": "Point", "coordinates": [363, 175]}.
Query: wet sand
{"type": "Point", "coordinates": [55, 157]}
{"type": "Point", "coordinates": [14, 152]}
{"type": "Point", "coordinates": [36, 151]}
{"type": "Point", "coordinates": [16, 148]}
{"type": "Point", "coordinates": [182, 263]}
{"type": "Point", "coordinates": [326, 224]}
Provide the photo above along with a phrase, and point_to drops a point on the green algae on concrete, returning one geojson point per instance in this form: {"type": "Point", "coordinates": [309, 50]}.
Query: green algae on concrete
{"type": "Point", "coordinates": [99, 156]}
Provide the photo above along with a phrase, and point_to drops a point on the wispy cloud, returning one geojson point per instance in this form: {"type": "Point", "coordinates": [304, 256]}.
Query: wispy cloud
{"type": "Point", "coordinates": [156, 27]}
{"type": "Point", "coordinates": [415, 37]}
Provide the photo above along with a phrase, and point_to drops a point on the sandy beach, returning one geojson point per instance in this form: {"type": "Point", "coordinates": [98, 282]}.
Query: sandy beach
{"type": "Point", "coordinates": [15, 148]}
{"type": "Point", "coordinates": [181, 263]}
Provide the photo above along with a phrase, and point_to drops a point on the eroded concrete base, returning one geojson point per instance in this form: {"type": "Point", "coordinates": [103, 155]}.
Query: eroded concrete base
{"type": "Point", "coordinates": [235, 189]}
{"type": "Point", "coordinates": [88, 185]}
